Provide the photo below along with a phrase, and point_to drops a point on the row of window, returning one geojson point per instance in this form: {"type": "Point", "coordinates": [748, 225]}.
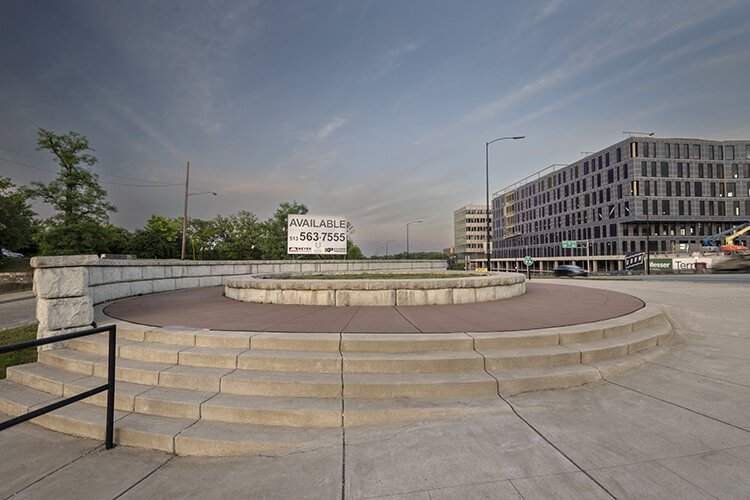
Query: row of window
{"type": "Point", "coordinates": [703, 170]}
{"type": "Point", "coordinates": [686, 151]}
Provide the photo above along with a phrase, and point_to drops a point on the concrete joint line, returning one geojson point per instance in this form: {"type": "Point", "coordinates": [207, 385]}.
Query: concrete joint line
{"type": "Point", "coordinates": [169, 459]}
{"type": "Point", "coordinates": [677, 405]}
{"type": "Point", "coordinates": [575, 464]}
{"type": "Point", "coordinates": [45, 476]}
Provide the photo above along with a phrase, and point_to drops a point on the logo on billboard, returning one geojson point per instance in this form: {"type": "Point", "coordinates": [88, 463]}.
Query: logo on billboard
{"type": "Point", "coordinates": [634, 260]}
{"type": "Point", "coordinates": [313, 234]}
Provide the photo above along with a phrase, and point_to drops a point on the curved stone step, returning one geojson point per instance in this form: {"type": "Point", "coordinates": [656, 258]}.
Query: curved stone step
{"type": "Point", "coordinates": [412, 362]}
{"type": "Point", "coordinates": [419, 385]}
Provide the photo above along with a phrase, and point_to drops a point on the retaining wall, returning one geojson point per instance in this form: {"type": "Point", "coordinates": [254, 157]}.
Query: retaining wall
{"type": "Point", "coordinates": [68, 287]}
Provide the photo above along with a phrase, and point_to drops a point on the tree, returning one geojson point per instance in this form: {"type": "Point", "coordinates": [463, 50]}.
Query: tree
{"type": "Point", "coordinates": [160, 238]}
{"type": "Point", "coordinates": [82, 209]}
{"type": "Point", "coordinates": [239, 236]}
{"type": "Point", "coordinates": [16, 217]}
{"type": "Point", "coordinates": [274, 242]}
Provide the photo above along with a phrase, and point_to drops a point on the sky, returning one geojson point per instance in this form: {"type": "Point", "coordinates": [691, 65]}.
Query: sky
{"type": "Point", "coordinates": [377, 111]}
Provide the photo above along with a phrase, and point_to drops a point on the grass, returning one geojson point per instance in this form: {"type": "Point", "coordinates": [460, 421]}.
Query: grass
{"type": "Point", "coordinates": [12, 336]}
{"type": "Point", "coordinates": [376, 276]}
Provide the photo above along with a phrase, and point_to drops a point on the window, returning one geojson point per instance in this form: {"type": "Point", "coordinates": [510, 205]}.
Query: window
{"type": "Point", "coordinates": [698, 189]}
{"type": "Point", "coordinates": [634, 150]}
{"type": "Point", "coordinates": [736, 208]}
{"type": "Point", "coordinates": [679, 168]}
{"type": "Point", "coordinates": [719, 170]}
{"type": "Point", "coordinates": [644, 151]}
{"type": "Point", "coordinates": [711, 152]}
{"type": "Point", "coordinates": [747, 151]}
{"type": "Point", "coordinates": [606, 159]}
{"type": "Point", "coordinates": [668, 150]}
{"type": "Point", "coordinates": [647, 190]}
{"type": "Point", "coordinates": [735, 171]}
{"type": "Point", "coordinates": [645, 207]}
{"type": "Point", "coordinates": [625, 171]}
{"type": "Point", "coordinates": [680, 207]}
{"type": "Point", "coordinates": [664, 169]}
{"type": "Point", "coordinates": [634, 188]}
{"type": "Point", "coordinates": [730, 152]}
{"type": "Point", "coordinates": [686, 150]}
{"type": "Point", "coordinates": [700, 170]}
{"type": "Point", "coordinates": [669, 188]}
{"type": "Point", "coordinates": [697, 151]}
{"type": "Point", "coordinates": [644, 169]}
{"type": "Point", "coordinates": [722, 208]}
{"type": "Point", "coordinates": [665, 207]}
{"type": "Point", "coordinates": [678, 189]}
{"type": "Point", "coordinates": [687, 188]}
{"type": "Point", "coordinates": [610, 176]}
{"type": "Point", "coordinates": [702, 205]}
{"type": "Point", "coordinates": [676, 150]}
{"type": "Point", "coordinates": [721, 153]}
{"type": "Point", "coordinates": [731, 189]}
{"type": "Point", "coordinates": [619, 155]}
{"type": "Point", "coordinates": [653, 169]}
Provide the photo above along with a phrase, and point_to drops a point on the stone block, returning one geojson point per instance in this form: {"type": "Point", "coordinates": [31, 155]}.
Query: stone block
{"type": "Point", "coordinates": [198, 271]}
{"type": "Point", "coordinates": [222, 270]}
{"type": "Point", "coordinates": [61, 282]}
{"type": "Point", "coordinates": [56, 314]}
{"type": "Point", "coordinates": [64, 261]}
{"type": "Point", "coordinates": [209, 281]}
{"type": "Point", "coordinates": [164, 285]}
{"type": "Point", "coordinates": [365, 297]}
{"type": "Point", "coordinates": [181, 283]}
{"type": "Point", "coordinates": [43, 333]}
{"type": "Point", "coordinates": [131, 273]}
{"type": "Point", "coordinates": [153, 272]}
{"type": "Point", "coordinates": [178, 271]}
{"type": "Point", "coordinates": [99, 275]}
{"type": "Point", "coordinates": [110, 291]}
{"type": "Point", "coordinates": [464, 296]}
{"type": "Point", "coordinates": [141, 287]}
{"type": "Point", "coordinates": [241, 269]}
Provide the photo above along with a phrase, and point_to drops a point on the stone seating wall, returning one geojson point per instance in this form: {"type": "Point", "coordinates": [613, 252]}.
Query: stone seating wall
{"type": "Point", "coordinates": [68, 287]}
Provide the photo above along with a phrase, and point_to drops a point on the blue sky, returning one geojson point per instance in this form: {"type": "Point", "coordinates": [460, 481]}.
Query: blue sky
{"type": "Point", "coordinates": [373, 110]}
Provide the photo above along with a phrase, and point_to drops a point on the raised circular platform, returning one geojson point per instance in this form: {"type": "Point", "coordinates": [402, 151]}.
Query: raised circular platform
{"type": "Point", "coordinates": [542, 306]}
{"type": "Point", "coordinates": [452, 287]}
{"type": "Point", "coordinates": [200, 374]}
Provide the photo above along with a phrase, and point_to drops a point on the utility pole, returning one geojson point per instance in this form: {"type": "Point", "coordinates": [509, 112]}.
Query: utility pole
{"type": "Point", "coordinates": [185, 212]}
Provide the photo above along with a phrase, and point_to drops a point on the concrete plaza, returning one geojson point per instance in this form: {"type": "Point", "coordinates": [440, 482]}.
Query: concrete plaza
{"type": "Point", "coordinates": [677, 427]}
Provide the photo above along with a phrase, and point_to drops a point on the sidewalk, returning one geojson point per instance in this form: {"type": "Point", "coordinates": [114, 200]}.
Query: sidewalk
{"type": "Point", "coordinates": [677, 427]}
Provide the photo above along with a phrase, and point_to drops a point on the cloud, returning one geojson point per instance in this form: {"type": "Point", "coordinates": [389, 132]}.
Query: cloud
{"type": "Point", "coordinates": [330, 127]}
{"type": "Point", "coordinates": [392, 59]}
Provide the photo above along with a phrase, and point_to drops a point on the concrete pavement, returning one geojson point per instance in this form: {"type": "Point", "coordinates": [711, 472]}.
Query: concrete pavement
{"type": "Point", "coordinates": [677, 427]}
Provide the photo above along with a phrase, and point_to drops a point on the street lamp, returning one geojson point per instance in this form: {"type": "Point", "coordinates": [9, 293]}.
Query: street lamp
{"type": "Point", "coordinates": [407, 235]}
{"type": "Point", "coordinates": [184, 215]}
{"type": "Point", "coordinates": [386, 247]}
{"type": "Point", "coordinates": [487, 180]}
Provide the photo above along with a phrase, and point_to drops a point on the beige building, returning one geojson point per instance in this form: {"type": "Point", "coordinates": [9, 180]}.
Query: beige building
{"type": "Point", "coordinates": [470, 233]}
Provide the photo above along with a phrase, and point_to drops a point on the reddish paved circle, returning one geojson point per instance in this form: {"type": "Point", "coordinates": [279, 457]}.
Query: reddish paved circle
{"type": "Point", "coordinates": [543, 306]}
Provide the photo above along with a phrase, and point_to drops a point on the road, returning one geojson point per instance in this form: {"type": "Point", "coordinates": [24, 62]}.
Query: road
{"type": "Point", "coordinates": [734, 278]}
{"type": "Point", "coordinates": [16, 312]}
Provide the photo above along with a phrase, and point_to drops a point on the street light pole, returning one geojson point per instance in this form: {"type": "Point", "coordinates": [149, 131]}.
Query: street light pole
{"type": "Point", "coordinates": [407, 235]}
{"type": "Point", "coordinates": [185, 212]}
{"type": "Point", "coordinates": [487, 185]}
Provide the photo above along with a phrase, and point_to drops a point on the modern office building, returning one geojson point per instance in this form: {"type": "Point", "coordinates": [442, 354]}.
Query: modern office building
{"type": "Point", "coordinates": [660, 194]}
{"type": "Point", "coordinates": [470, 235]}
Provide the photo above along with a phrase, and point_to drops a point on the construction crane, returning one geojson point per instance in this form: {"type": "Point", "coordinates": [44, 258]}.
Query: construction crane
{"type": "Point", "coordinates": [725, 239]}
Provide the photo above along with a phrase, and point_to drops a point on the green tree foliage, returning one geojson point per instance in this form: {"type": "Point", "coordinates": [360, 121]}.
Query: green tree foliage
{"type": "Point", "coordinates": [353, 252]}
{"type": "Point", "coordinates": [239, 236]}
{"type": "Point", "coordinates": [80, 224]}
{"type": "Point", "coordinates": [16, 217]}
{"type": "Point", "coordinates": [274, 242]}
{"type": "Point", "coordinates": [160, 238]}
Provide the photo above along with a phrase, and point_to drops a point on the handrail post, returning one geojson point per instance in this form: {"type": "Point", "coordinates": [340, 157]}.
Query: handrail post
{"type": "Point", "coordinates": [109, 432]}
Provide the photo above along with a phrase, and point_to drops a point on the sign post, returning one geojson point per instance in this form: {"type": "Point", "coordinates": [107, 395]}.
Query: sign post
{"type": "Point", "coordinates": [317, 235]}
{"type": "Point", "coordinates": [528, 261]}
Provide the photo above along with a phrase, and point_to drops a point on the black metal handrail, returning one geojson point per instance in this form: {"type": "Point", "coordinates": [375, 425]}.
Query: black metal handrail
{"type": "Point", "coordinates": [109, 386]}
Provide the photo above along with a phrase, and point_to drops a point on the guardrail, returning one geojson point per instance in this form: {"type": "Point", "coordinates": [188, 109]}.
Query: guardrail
{"type": "Point", "coordinates": [109, 386]}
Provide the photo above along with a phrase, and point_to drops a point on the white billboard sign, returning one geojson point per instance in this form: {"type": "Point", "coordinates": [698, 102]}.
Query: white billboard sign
{"type": "Point", "coordinates": [315, 234]}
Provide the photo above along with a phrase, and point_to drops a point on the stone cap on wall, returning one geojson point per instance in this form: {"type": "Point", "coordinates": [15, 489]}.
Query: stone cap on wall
{"type": "Point", "coordinates": [94, 260]}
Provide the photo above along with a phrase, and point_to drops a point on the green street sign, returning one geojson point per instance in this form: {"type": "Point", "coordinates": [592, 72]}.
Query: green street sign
{"type": "Point", "coordinates": [528, 260]}
{"type": "Point", "coordinates": [569, 244]}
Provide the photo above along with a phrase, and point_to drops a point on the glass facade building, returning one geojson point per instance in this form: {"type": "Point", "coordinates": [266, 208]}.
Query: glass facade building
{"type": "Point", "coordinates": [667, 193]}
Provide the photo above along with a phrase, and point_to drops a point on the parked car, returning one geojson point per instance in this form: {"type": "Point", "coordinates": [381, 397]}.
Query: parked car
{"type": "Point", "coordinates": [11, 255]}
{"type": "Point", "coordinates": [570, 271]}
